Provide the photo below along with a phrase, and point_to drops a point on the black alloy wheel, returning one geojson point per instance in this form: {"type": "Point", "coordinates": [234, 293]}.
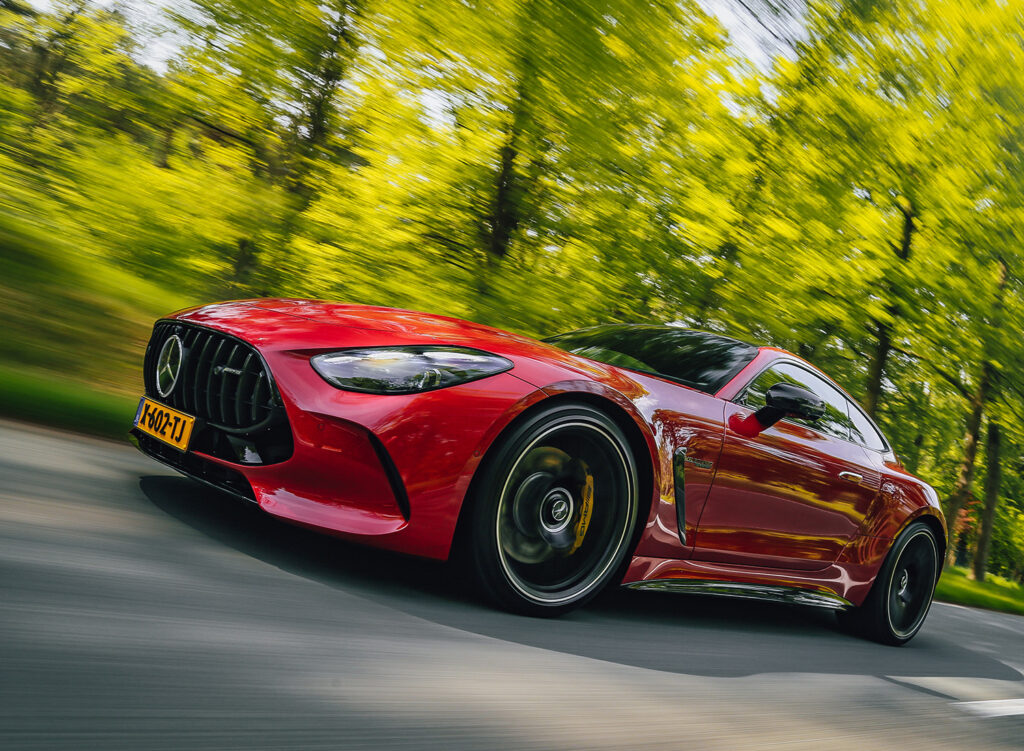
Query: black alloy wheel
{"type": "Point", "coordinates": [898, 602]}
{"type": "Point", "coordinates": [554, 511]}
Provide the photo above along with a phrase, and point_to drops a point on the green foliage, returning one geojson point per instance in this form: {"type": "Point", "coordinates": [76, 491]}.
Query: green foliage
{"type": "Point", "coordinates": [995, 593]}
{"type": "Point", "coordinates": [539, 165]}
{"type": "Point", "coordinates": [1008, 542]}
{"type": "Point", "coordinates": [45, 399]}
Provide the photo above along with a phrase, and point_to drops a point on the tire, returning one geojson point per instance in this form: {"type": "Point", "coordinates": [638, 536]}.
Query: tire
{"type": "Point", "coordinates": [553, 511]}
{"type": "Point", "coordinates": [898, 602]}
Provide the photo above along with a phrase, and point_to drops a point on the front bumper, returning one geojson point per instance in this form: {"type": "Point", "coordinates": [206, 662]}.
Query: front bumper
{"type": "Point", "coordinates": [195, 466]}
{"type": "Point", "coordinates": [391, 471]}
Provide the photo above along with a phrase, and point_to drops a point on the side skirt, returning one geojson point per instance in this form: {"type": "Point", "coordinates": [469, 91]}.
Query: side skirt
{"type": "Point", "coordinates": [790, 595]}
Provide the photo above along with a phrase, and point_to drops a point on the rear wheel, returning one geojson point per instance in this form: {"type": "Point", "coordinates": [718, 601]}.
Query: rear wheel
{"type": "Point", "coordinates": [553, 511]}
{"type": "Point", "coordinates": [898, 602]}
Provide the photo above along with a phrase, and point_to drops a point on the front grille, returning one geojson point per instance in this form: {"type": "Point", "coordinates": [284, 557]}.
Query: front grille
{"type": "Point", "coordinates": [223, 380]}
{"type": "Point", "coordinates": [224, 383]}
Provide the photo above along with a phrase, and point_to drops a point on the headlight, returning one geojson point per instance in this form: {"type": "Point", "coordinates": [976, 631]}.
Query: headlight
{"type": "Point", "coordinates": [407, 369]}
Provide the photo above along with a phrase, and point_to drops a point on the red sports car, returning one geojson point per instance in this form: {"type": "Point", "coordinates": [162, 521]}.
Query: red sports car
{"type": "Point", "coordinates": [655, 456]}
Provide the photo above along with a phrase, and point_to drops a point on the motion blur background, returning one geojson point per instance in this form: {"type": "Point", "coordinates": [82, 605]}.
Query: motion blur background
{"type": "Point", "coordinates": [843, 178]}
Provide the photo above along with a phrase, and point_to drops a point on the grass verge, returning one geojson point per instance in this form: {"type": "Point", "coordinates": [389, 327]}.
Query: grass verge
{"type": "Point", "coordinates": [48, 400]}
{"type": "Point", "coordinates": [995, 593]}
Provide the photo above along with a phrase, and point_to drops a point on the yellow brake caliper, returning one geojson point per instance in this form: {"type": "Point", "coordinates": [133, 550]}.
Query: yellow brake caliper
{"type": "Point", "coordinates": [586, 509]}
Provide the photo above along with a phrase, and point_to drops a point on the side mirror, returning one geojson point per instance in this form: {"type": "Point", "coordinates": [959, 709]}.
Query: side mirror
{"type": "Point", "coordinates": [782, 400]}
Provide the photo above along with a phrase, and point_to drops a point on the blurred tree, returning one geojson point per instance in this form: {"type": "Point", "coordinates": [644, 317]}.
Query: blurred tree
{"type": "Point", "coordinates": [287, 61]}
{"type": "Point", "coordinates": [544, 165]}
{"type": "Point", "coordinates": [557, 143]}
{"type": "Point", "coordinates": [993, 481]}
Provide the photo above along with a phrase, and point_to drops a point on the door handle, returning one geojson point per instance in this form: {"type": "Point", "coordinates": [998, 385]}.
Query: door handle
{"type": "Point", "coordinates": [851, 476]}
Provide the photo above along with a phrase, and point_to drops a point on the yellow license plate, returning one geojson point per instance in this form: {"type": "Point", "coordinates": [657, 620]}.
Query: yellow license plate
{"type": "Point", "coordinates": [168, 425]}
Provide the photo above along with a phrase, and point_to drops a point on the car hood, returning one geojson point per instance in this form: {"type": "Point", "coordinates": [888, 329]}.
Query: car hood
{"type": "Point", "coordinates": [386, 319]}
{"type": "Point", "coordinates": [269, 318]}
{"type": "Point", "coordinates": [312, 325]}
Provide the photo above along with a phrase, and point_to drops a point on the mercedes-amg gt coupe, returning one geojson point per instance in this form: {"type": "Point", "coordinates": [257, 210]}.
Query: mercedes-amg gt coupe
{"type": "Point", "coordinates": [653, 456]}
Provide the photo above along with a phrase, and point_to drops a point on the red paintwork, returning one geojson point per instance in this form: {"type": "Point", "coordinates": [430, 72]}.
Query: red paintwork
{"type": "Point", "coordinates": [759, 509]}
{"type": "Point", "coordinates": [778, 500]}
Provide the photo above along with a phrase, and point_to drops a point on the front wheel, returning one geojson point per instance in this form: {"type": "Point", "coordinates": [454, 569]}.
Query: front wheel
{"type": "Point", "coordinates": [898, 602]}
{"type": "Point", "coordinates": [553, 511]}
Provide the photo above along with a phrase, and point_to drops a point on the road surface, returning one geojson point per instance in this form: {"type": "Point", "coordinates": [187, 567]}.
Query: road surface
{"type": "Point", "coordinates": [139, 610]}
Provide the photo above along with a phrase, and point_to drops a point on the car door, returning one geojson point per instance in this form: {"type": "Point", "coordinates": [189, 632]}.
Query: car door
{"type": "Point", "coordinates": [794, 495]}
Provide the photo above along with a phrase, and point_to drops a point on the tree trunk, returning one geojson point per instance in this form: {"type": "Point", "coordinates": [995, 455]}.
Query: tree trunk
{"type": "Point", "coordinates": [163, 155]}
{"type": "Point", "coordinates": [993, 479]}
{"type": "Point", "coordinates": [965, 477]}
{"type": "Point", "coordinates": [243, 268]}
{"type": "Point", "coordinates": [876, 368]}
{"type": "Point", "coordinates": [311, 129]}
{"type": "Point", "coordinates": [913, 460]}
{"type": "Point", "coordinates": [726, 257]}
{"type": "Point", "coordinates": [310, 135]}
{"type": "Point", "coordinates": [884, 329]}
{"type": "Point", "coordinates": [962, 488]}
{"type": "Point", "coordinates": [505, 209]}
{"type": "Point", "coordinates": [505, 212]}
{"type": "Point", "coordinates": [511, 183]}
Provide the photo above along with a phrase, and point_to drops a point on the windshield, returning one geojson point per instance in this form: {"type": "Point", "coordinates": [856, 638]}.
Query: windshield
{"type": "Point", "coordinates": [694, 358]}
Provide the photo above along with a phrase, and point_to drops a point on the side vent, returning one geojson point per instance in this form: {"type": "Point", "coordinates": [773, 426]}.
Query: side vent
{"type": "Point", "coordinates": [679, 483]}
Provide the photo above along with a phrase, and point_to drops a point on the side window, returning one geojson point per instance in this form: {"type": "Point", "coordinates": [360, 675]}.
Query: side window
{"type": "Point", "coordinates": [864, 432]}
{"type": "Point", "coordinates": [836, 420]}
{"type": "Point", "coordinates": [754, 396]}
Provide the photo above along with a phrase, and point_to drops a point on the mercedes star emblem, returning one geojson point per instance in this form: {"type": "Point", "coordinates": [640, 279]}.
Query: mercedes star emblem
{"type": "Point", "coordinates": [168, 365]}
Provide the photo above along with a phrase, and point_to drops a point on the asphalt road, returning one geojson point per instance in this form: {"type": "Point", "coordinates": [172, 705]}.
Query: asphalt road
{"type": "Point", "coordinates": [139, 610]}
